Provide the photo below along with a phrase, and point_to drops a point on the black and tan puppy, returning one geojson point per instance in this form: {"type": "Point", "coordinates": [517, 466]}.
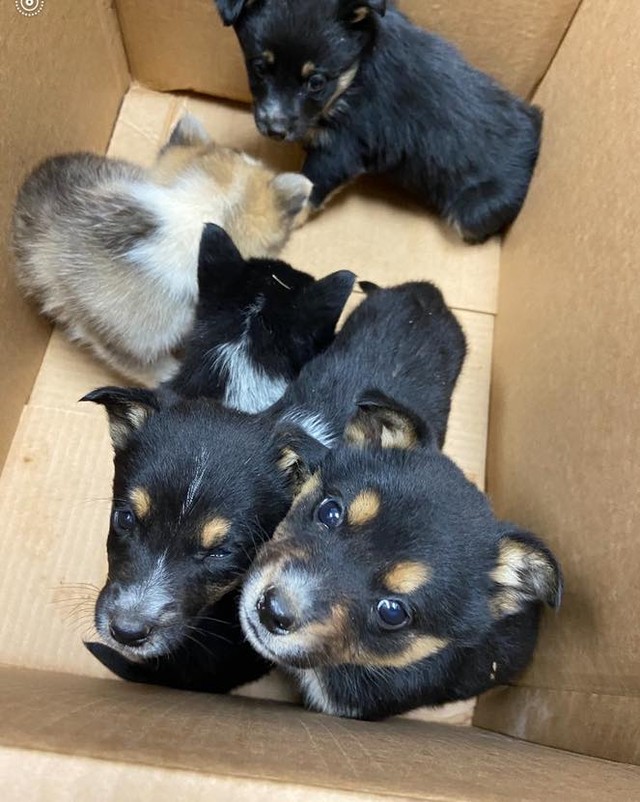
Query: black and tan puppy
{"type": "Point", "coordinates": [258, 321]}
{"type": "Point", "coordinates": [390, 584]}
{"type": "Point", "coordinates": [198, 487]}
{"type": "Point", "coordinates": [366, 91]}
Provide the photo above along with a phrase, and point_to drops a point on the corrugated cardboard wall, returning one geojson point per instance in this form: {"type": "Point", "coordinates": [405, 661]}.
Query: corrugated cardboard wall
{"type": "Point", "coordinates": [62, 75]}
{"type": "Point", "coordinates": [564, 446]}
{"type": "Point", "coordinates": [182, 44]}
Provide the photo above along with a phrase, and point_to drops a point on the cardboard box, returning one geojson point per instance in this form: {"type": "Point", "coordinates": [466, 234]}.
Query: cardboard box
{"type": "Point", "coordinates": [555, 303]}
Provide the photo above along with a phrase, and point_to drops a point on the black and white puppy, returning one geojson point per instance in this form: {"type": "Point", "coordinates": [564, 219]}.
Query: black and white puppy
{"type": "Point", "coordinates": [198, 487]}
{"type": "Point", "coordinates": [258, 321]}
{"type": "Point", "coordinates": [390, 584]}
{"type": "Point", "coordinates": [366, 91]}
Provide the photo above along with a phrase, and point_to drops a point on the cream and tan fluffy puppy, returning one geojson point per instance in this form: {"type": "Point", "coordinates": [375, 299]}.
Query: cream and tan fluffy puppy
{"type": "Point", "coordinates": [109, 250]}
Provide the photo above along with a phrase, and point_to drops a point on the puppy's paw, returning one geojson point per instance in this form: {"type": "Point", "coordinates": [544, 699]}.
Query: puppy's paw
{"type": "Point", "coordinates": [308, 210]}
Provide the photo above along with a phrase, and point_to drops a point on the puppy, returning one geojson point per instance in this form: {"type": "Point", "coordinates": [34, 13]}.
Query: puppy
{"type": "Point", "coordinates": [390, 584]}
{"type": "Point", "coordinates": [366, 91]}
{"type": "Point", "coordinates": [258, 321]}
{"type": "Point", "coordinates": [109, 250]}
{"type": "Point", "coordinates": [198, 486]}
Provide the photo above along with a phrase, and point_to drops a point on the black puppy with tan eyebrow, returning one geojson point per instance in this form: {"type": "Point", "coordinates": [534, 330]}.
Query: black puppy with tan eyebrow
{"type": "Point", "coordinates": [390, 584]}
{"type": "Point", "coordinates": [366, 91]}
{"type": "Point", "coordinates": [199, 487]}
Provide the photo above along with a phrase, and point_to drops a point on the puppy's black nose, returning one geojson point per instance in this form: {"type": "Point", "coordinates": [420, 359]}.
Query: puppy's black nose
{"type": "Point", "coordinates": [274, 613]}
{"type": "Point", "coordinates": [129, 632]}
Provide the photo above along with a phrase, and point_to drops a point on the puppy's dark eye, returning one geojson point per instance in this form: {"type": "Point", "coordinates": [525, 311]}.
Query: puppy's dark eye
{"type": "Point", "coordinates": [259, 67]}
{"type": "Point", "coordinates": [330, 513]}
{"type": "Point", "coordinates": [123, 520]}
{"type": "Point", "coordinates": [214, 558]}
{"type": "Point", "coordinates": [316, 83]}
{"type": "Point", "coordinates": [392, 614]}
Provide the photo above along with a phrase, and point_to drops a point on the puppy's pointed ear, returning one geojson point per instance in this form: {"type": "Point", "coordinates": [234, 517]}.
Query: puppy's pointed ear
{"type": "Point", "coordinates": [128, 409]}
{"type": "Point", "coordinates": [292, 192]}
{"type": "Point", "coordinates": [355, 11]}
{"type": "Point", "coordinates": [218, 258]}
{"type": "Point", "coordinates": [381, 422]}
{"type": "Point", "coordinates": [300, 454]}
{"type": "Point", "coordinates": [526, 571]}
{"type": "Point", "coordinates": [320, 305]}
{"type": "Point", "coordinates": [188, 131]}
{"type": "Point", "coordinates": [230, 10]}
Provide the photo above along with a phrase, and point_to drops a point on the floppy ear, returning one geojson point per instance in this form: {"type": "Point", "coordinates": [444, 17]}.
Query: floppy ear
{"type": "Point", "coordinates": [368, 287]}
{"type": "Point", "coordinates": [526, 571]}
{"type": "Point", "coordinates": [230, 10]}
{"type": "Point", "coordinates": [299, 453]}
{"type": "Point", "coordinates": [292, 192]}
{"type": "Point", "coordinates": [383, 423]}
{"type": "Point", "coordinates": [320, 304]}
{"type": "Point", "coordinates": [128, 409]}
{"type": "Point", "coordinates": [355, 11]}
{"type": "Point", "coordinates": [188, 131]}
{"type": "Point", "coordinates": [218, 257]}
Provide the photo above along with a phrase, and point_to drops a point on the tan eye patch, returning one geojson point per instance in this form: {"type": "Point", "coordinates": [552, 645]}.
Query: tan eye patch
{"type": "Point", "coordinates": [140, 501]}
{"type": "Point", "coordinates": [308, 69]}
{"type": "Point", "coordinates": [420, 647]}
{"type": "Point", "coordinates": [364, 508]}
{"type": "Point", "coordinates": [407, 577]}
{"type": "Point", "coordinates": [214, 531]}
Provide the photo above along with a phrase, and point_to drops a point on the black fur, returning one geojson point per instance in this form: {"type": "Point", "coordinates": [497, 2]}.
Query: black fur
{"type": "Point", "coordinates": [272, 317]}
{"type": "Point", "coordinates": [333, 579]}
{"type": "Point", "coordinates": [198, 460]}
{"type": "Point", "coordinates": [404, 340]}
{"type": "Point", "coordinates": [415, 110]}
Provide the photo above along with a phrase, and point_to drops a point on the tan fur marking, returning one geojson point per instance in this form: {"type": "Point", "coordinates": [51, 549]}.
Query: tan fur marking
{"type": "Point", "coordinates": [330, 633]}
{"type": "Point", "coordinates": [288, 459]}
{"type": "Point", "coordinates": [308, 68]}
{"type": "Point", "coordinates": [364, 508]}
{"type": "Point", "coordinates": [269, 56]}
{"type": "Point", "coordinates": [512, 559]}
{"type": "Point", "coordinates": [359, 14]}
{"type": "Point", "coordinates": [398, 437]}
{"type": "Point", "coordinates": [407, 577]}
{"type": "Point", "coordinates": [214, 531]}
{"type": "Point", "coordinates": [421, 647]}
{"type": "Point", "coordinates": [140, 501]}
{"type": "Point", "coordinates": [344, 82]}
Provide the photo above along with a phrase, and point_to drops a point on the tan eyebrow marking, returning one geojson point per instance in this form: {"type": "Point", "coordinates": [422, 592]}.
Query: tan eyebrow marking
{"type": "Point", "coordinates": [140, 501]}
{"type": "Point", "coordinates": [420, 648]}
{"type": "Point", "coordinates": [214, 531]}
{"type": "Point", "coordinates": [308, 68]}
{"type": "Point", "coordinates": [406, 577]}
{"type": "Point", "coordinates": [268, 56]}
{"type": "Point", "coordinates": [364, 508]}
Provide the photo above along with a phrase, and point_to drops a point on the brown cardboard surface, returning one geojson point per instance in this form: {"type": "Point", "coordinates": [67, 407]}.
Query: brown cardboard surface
{"type": "Point", "coordinates": [183, 45]}
{"type": "Point", "coordinates": [227, 737]}
{"type": "Point", "coordinates": [564, 434]}
{"type": "Point", "coordinates": [62, 76]}
{"type": "Point", "coordinates": [60, 462]}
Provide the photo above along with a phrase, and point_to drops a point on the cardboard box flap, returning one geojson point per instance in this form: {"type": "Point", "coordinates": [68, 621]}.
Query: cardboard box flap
{"type": "Point", "coordinates": [230, 736]}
